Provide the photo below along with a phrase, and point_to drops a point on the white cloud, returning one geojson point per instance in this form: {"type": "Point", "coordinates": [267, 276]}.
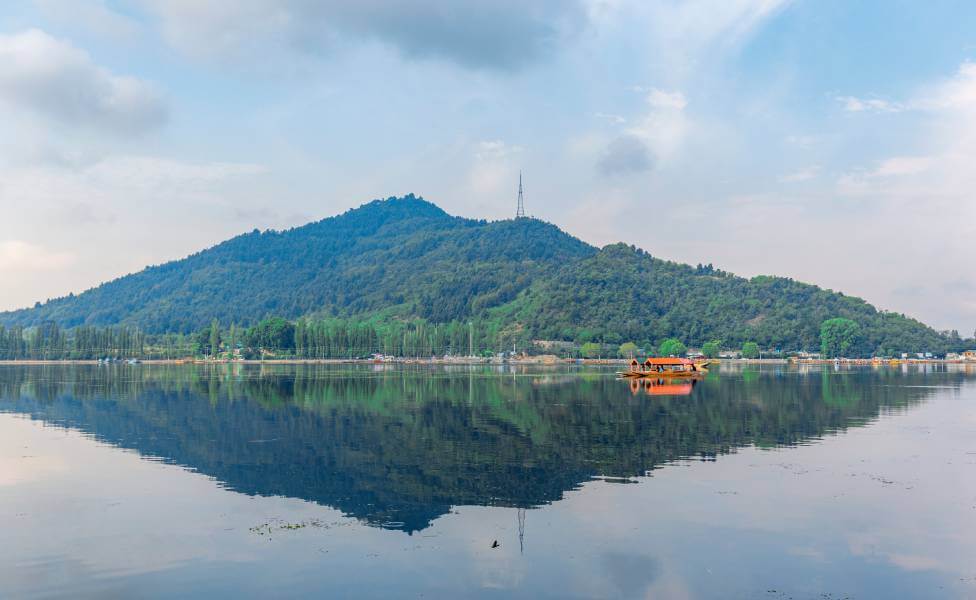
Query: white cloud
{"type": "Point", "coordinates": [18, 255]}
{"type": "Point", "coordinates": [951, 135]}
{"type": "Point", "coordinates": [681, 44]}
{"type": "Point", "coordinates": [651, 137]}
{"type": "Point", "coordinates": [666, 100]}
{"type": "Point", "coordinates": [664, 126]}
{"type": "Point", "coordinates": [157, 175]}
{"type": "Point", "coordinates": [116, 216]}
{"type": "Point", "coordinates": [596, 218]}
{"type": "Point", "coordinates": [612, 118]}
{"type": "Point", "coordinates": [48, 76]}
{"type": "Point", "coordinates": [224, 28]}
{"type": "Point", "coordinates": [802, 141]}
{"type": "Point", "coordinates": [495, 150]}
{"type": "Point", "coordinates": [118, 190]}
{"type": "Point", "coordinates": [903, 165]}
{"type": "Point", "coordinates": [928, 200]}
{"type": "Point", "coordinates": [953, 94]}
{"type": "Point", "coordinates": [877, 105]}
{"type": "Point", "coordinates": [804, 174]}
{"type": "Point", "coordinates": [867, 181]}
{"type": "Point", "coordinates": [683, 33]}
{"type": "Point", "coordinates": [728, 22]}
{"type": "Point", "coordinates": [958, 93]}
{"type": "Point", "coordinates": [493, 172]}
{"type": "Point", "coordinates": [92, 15]}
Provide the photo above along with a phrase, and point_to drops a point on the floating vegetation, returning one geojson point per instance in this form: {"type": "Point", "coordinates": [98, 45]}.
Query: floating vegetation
{"type": "Point", "coordinates": [277, 525]}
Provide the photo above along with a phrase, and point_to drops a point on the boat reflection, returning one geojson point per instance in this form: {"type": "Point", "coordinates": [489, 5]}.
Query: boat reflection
{"type": "Point", "coordinates": [662, 387]}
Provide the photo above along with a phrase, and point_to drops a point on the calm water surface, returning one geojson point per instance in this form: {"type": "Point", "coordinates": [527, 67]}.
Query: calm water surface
{"type": "Point", "coordinates": [286, 481]}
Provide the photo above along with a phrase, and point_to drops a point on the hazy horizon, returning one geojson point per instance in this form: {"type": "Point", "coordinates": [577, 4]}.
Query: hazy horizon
{"type": "Point", "coordinates": [827, 143]}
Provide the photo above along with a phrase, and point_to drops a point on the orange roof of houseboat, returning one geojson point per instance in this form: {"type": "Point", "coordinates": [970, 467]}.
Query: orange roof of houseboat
{"type": "Point", "coordinates": [668, 361]}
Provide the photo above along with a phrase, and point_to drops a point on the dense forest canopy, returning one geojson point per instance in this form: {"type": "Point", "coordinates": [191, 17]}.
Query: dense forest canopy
{"type": "Point", "coordinates": [405, 264]}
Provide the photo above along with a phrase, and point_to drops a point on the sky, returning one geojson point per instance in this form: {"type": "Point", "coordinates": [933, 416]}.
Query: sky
{"type": "Point", "coordinates": [828, 141]}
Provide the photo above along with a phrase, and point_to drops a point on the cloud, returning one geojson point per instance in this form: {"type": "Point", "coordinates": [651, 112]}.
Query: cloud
{"type": "Point", "coordinates": [960, 286]}
{"type": "Point", "coordinates": [493, 172]}
{"type": "Point", "coordinates": [52, 78]}
{"type": "Point", "coordinates": [880, 178]}
{"type": "Point", "coordinates": [876, 105]}
{"type": "Point", "coordinates": [955, 94]}
{"type": "Point", "coordinates": [625, 155]}
{"type": "Point", "coordinates": [927, 198]}
{"type": "Point", "coordinates": [117, 215]}
{"type": "Point", "coordinates": [612, 118]}
{"type": "Point", "coordinates": [666, 100]}
{"type": "Point", "coordinates": [479, 34]}
{"type": "Point", "coordinates": [683, 34]}
{"type": "Point", "coordinates": [664, 126]}
{"type": "Point", "coordinates": [902, 165]}
{"type": "Point", "coordinates": [78, 214]}
{"type": "Point", "coordinates": [91, 15]}
{"type": "Point", "coordinates": [802, 141]}
{"type": "Point", "coordinates": [118, 187]}
{"type": "Point", "coordinates": [18, 255]}
{"type": "Point", "coordinates": [155, 174]}
{"type": "Point", "coordinates": [805, 174]}
{"type": "Point", "coordinates": [950, 135]}
{"type": "Point", "coordinates": [681, 43]}
{"type": "Point", "coordinates": [495, 150]}
{"type": "Point", "coordinates": [653, 136]}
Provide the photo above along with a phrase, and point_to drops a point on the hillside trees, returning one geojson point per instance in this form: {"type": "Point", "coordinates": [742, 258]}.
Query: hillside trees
{"type": "Point", "coordinates": [400, 262]}
{"type": "Point", "coordinates": [627, 350]}
{"type": "Point", "coordinates": [711, 349]}
{"type": "Point", "coordinates": [672, 347]}
{"type": "Point", "coordinates": [838, 337]}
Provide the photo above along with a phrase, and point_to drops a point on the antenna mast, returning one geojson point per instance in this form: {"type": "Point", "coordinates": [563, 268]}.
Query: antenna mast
{"type": "Point", "coordinates": [520, 211]}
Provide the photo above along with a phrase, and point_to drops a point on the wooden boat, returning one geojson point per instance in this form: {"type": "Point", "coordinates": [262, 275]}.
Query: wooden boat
{"type": "Point", "coordinates": [666, 367]}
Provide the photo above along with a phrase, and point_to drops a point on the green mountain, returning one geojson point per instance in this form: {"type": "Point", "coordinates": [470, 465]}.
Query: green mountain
{"type": "Point", "coordinates": [405, 258]}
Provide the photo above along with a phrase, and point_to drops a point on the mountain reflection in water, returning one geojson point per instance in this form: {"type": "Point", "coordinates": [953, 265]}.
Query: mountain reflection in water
{"type": "Point", "coordinates": [399, 447]}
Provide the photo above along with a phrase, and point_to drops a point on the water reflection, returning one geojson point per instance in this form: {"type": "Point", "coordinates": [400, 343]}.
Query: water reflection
{"type": "Point", "coordinates": [662, 387]}
{"type": "Point", "coordinates": [397, 448]}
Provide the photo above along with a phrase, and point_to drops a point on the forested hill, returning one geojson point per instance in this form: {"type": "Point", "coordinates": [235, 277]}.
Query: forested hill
{"type": "Point", "coordinates": [406, 258]}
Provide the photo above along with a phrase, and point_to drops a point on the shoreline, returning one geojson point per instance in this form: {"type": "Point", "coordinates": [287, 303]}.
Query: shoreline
{"type": "Point", "coordinates": [478, 361]}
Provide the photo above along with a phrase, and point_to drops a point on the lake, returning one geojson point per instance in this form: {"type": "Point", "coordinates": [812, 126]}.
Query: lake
{"type": "Point", "coordinates": [445, 482]}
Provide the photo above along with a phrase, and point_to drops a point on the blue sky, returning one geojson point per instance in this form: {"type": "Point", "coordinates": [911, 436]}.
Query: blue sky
{"type": "Point", "coordinates": [828, 141]}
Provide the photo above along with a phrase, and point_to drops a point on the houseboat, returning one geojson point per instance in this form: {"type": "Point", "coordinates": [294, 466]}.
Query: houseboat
{"type": "Point", "coordinates": [666, 367]}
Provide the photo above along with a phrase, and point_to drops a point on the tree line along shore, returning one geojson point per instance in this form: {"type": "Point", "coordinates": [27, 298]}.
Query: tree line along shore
{"type": "Point", "coordinates": [275, 338]}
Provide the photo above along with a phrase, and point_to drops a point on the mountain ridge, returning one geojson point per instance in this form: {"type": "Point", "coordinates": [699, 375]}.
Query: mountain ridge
{"type": "Point", "coordinates": [407, 258]}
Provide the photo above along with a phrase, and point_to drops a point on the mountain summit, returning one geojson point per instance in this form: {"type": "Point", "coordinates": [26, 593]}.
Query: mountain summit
{"type": "Point", "coordinates": [407, 258]}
